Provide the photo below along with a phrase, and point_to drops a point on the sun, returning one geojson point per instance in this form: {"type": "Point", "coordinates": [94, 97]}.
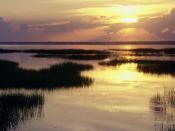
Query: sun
{"type": "Point", "coordinates": [128, 14]}
{"type": "Point", "coordinates": [128, 20]}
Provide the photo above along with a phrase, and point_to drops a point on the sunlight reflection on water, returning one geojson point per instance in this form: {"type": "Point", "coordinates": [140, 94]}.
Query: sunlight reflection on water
{"type": "Point", "coordinates": [119, 98]}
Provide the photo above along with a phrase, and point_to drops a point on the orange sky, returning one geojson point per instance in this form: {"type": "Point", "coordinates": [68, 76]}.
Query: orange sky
{"type": "Point", "coordinates": [87, 20]}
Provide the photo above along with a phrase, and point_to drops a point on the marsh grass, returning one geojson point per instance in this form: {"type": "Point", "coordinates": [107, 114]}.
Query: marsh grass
{"type": "Point", "coordinates": [148, 51]}
{"type": "Point", "coordinates": [164, 108]}
{"type": "Point", "coordinates": [114, 62]}
{"type": "Point", "coordinates": [73, 54]}
{"type": "Point", "coordinates": [3, 51]}
{"type": "Point", "coordinates": [64, 75]}
{"type": "Point", "coordinates": [119, 61]}
{"type": "Point", "coordinates": [154, 52]}
{"type": "Point", "coordinates": [159, 68]}
{"type": "Point", "coordinates": [146, 66]}
{"type": "Point", "coordinates": [66, 51]}
{"type": "Point", "coordinates": [75, 57]}
{"type": "Point", "coordinates": [16, 108]}
{"type": "Point", "coordinates": [138, 51]}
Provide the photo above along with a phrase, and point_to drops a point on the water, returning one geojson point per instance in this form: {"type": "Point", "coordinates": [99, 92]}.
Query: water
{"type": "Point", "coordinates": [120, 98]}
{"type": "Point", "coordinates": [96, 47]}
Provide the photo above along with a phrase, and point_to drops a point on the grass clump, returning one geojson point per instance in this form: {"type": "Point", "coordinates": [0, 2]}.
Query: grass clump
{"type": "Point", "coordinates": [72, 54]}
{"type": "Point", "coordinates": [146, 66]}
{"type": "Point", "coordinates": [64, 75]}
{"type": "Point", "coordinates": [16, 108]}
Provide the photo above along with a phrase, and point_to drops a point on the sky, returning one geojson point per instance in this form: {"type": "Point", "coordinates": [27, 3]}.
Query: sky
{"type": "Point", "coordinates": [87, 20]}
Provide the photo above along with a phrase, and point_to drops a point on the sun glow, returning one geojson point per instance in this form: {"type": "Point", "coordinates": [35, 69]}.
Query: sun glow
{"type": "Point", "coordinates": [128, 20]}
{"type": "Point", "coordinates": [128, 14]}
{"type": "Point", "coordinates": [134, 34]}
{"type": "Point", "coordinates": [128, 10]}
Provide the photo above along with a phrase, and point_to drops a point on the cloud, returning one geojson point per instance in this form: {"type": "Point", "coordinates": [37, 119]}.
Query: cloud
{"type": "Point", "coordinates": [163, 26]}
{"type": "Point", "coordinates": [7, 32]}
{"type": "Point", "coordinates": [158, 28]}
{"type": "Point", "coordinates": [75, 30]}
{"type": "Point", "coordinates": [67, 26]}
{"type": "Point", "coordinates": [92, 29]}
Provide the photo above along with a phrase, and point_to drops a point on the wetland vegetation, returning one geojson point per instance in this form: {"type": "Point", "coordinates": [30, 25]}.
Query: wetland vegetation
{"type": "Point", "coordinates": [109, 83]}
{"type": "Point", "coordinates": [146, 66]}
{"type": "Point", "coordinates": [73, 54]}
{"type": "Point", "coordinates": [16, 108]}
{"type": "Point", "coordinates": [64, 75]}
{"type": "Point", "coordinates": [163, 107]}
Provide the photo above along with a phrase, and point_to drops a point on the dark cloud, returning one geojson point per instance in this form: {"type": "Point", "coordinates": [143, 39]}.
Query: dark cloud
{"type": "Point", "coordinates": [70, 26]}
{"type": "Point", "coordinates": [37, 32]}
{"type": "Point", "coordinates": [7, 32]}
{"type": "Point", "coordinates": [163, 27]}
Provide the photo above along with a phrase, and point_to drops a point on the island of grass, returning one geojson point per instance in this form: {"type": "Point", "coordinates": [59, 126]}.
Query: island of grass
{"type": "Point", "coordinates": [149, 51]}
{"type": "Point", "coordinates": [75, 57]}
{"type": "Point", "coordinates": [64, 75]}
{"type": "Point", "coordinates": [153, 52]}
{"type": "Point", "coordinates": [146, 66]}
{"type": "Point", "coordinates": [4, 51]}
{"type": "Point", "coordinates": [73, 54]}
{"type": "Point", "coordinates": [81, 54]}
{"type": "Point", "coordinates": [158, 68]}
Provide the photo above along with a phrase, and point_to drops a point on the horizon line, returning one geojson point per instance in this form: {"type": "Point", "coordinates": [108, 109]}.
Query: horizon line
{"type": "Point", "coordinates": [87, 43]}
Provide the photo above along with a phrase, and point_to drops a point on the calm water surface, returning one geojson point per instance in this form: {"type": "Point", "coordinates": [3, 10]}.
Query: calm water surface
{"type": "Point", "coordinates": [121, 98]}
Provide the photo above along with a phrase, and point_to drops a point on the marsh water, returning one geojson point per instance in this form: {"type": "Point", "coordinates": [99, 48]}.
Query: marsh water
{"type": "Point", "coordinates": [124, 97]}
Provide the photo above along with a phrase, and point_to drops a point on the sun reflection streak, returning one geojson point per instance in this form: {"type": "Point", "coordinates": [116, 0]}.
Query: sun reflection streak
{"type": "Point", "coordinates": [127, 76]}
{"type": "Point", "coordinates": [123, 73]}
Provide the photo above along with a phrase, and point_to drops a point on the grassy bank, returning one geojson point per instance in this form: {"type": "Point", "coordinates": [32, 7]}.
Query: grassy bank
{"type": "Point", "coordinates": [73, 54]}
{"type": "Point", "coordinates": [65, 75]}
{"type": "Point", "coordinates": [146, 66]}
